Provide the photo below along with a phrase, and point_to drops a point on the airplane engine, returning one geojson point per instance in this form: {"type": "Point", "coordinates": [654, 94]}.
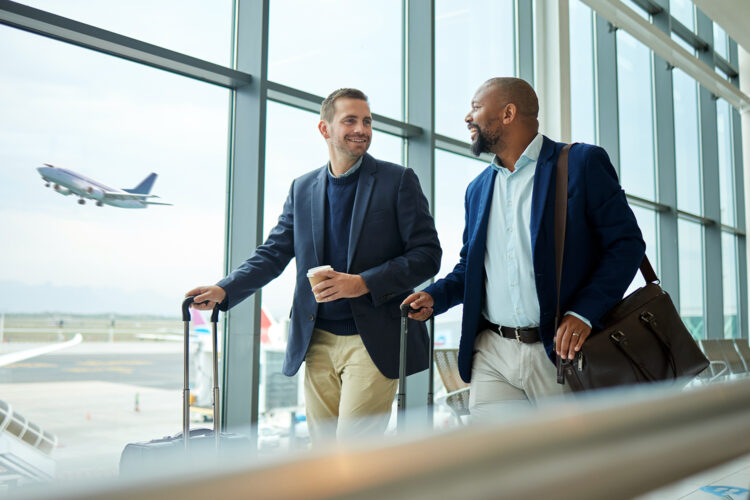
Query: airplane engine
{"type": "Point", "coordinates": [95, 193]}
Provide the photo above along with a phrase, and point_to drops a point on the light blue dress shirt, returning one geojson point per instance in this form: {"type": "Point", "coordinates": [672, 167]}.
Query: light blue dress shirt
{"type": "Point", "coordinates": [511, 297]}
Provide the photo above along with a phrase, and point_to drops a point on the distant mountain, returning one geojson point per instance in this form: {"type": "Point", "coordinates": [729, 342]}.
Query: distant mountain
{"type": "Point", "coordinates": [16, 297]}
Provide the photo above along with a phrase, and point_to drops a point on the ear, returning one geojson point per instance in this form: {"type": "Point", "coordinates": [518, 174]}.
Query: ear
{"type": "Point", "coordinates": [323, 128]}
{"type": "Point", "coordinates": [509, 113]}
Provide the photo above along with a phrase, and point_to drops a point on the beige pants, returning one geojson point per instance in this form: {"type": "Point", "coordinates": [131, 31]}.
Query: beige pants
{"type": "Point", "coordinates": [345, 393]}
{"type": "Point", "coordinates": [507, 374]}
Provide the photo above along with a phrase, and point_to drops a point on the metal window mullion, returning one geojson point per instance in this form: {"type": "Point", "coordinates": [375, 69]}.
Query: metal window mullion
{"type": "Point", "coordinates": [524, 27]}
{"type": "Point", "coordinates": [712, 269]}
{"type": "Point", "coordinates": [420, 111]}
{"type": "Point", "coordinates": [666, 171]}
{"type": "Point", "coordinates": [245, 214]}
{"type": "Point", "coordinates": [605, 75]}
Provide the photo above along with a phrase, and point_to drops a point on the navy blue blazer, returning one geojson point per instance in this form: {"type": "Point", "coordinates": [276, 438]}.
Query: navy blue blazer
{"type": "Point", "coordinates": [393, 245]}
{"type": "Point", "coordinates": [603, 245]}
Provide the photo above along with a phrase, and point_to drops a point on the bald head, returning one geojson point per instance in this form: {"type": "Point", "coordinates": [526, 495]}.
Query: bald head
{"type": "Point", "coordinates": [507, 90]}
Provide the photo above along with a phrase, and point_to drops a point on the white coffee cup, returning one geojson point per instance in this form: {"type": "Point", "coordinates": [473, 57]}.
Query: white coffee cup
{"type": "Point", "coordinates": [314, 280]}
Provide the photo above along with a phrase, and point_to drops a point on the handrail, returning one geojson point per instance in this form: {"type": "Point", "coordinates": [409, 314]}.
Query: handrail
{"type": "Point", "coordinates": [615, 445]}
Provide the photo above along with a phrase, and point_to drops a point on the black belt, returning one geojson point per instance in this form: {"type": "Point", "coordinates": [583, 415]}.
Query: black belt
{"type": "Point", "coordinates": [526, 334]}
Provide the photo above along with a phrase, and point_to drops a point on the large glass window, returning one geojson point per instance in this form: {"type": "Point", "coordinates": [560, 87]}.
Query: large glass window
{"type": "Point", "coordinates": [729, 284]}
{"type": "Point", "coordinates": [453, 173]}
{"type": "Point", "coordinates": [582, 91]}
{"type": "Point", "coordinates": [474, 41]}
{"type": "Point", "coordinates": [635, 111]}
{"type": "Point", "coordinates": [194, 27]}
{"type": "Point", "coordinates": [322, 46]}
{"type": "Point", "coordinates": [690, 250]}
{"type": "Point", "coordinates": [294, 147]}
{"type": "Point", "coordinates": [115, 275]}
{"type": "Point", "coordinates": [726, 164]}
{"type": "Point", "coordinates": [721, 41]}
{"type": "Point", "coordinates": [683, 11]}
{"type": "Point", "coordinates": [647, 223]}
{"type": "Point", "coordinates": [687, 143]}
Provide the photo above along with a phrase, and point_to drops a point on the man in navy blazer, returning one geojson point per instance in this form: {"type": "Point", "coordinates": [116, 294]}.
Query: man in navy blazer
{"type": "Point", "coordinates": [505, 277]}
{"type": "Point", "coordinates": [369, 220]}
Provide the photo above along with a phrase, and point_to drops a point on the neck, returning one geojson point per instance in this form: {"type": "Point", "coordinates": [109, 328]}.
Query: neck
{"type": "Point", "coordinates": [340, 164]}
{"type": "Point", "coordinates": [510, 152]}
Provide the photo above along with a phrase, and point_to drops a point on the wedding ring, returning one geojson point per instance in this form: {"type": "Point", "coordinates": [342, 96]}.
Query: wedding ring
{"type": "Point", "coordinates": [576, 334]}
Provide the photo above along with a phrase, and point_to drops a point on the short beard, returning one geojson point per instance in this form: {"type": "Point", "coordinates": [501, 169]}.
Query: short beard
{"type": "Point", "coordinates": [482, 143]}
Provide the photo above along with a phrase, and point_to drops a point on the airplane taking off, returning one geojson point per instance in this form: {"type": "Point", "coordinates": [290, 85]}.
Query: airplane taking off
{"type": "Point", "coordinates": [67, 182]}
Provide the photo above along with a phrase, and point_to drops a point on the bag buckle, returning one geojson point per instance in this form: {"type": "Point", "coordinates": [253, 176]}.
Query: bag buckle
{"type": "Point", "coordinates": [617, 336]}
{"type": "Point", "coordinates": [646, 317]}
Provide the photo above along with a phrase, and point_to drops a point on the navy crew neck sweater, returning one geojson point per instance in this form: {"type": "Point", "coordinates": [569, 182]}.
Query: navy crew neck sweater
{"type": "Point", "coordinates": [337, 317]}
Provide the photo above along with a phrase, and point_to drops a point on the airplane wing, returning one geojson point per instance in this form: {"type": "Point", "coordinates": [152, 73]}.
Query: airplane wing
{"type": "Point", "coordinates": [126, 196]}
{"type": "Point", "coordinates": [15, 357]}
{"type": "Point", "coordinates": [157, 203]}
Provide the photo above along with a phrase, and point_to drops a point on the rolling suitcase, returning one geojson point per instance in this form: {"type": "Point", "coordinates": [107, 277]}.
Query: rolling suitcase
{"type": "Point", "coordinates": [401, 395]}
{"type": "Point", "coordinates": [137, 457]}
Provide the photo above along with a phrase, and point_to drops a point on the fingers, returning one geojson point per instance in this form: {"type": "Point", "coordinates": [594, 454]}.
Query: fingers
{"type": "Point", "coordinates": [206, 297]}
{"type": "Point", "coordinates": [571, 334]}
{"type": "Point", "coordinates": [422, 315]}
{"type": "Point", "coordinates": [418, 300]}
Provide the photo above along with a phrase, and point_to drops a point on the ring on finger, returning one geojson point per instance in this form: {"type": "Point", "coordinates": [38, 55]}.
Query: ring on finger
{"type": "Point", "coordinates": [576, 334]}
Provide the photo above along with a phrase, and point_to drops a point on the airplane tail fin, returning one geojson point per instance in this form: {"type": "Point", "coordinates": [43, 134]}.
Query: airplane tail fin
{"type": "Point", "coordinates": [145, 186]}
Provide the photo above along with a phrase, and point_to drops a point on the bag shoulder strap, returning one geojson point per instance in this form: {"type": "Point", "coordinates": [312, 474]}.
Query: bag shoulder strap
{"type": "Point", "coordinates": [561, 214]}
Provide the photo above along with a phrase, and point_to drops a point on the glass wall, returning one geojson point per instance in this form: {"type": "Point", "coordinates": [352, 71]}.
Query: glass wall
{"type": "Point", "coordinates": [687, 144]}
{"type": "Point", "coordinates": [582, 85]}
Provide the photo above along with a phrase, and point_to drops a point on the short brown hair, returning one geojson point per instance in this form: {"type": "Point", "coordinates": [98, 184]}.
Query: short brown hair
{"type": "Point", "coordinates": [327, 110]}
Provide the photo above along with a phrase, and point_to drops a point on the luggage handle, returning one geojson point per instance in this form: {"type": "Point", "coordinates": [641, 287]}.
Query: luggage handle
{"type": "Point", "coordinates": [186, 371]}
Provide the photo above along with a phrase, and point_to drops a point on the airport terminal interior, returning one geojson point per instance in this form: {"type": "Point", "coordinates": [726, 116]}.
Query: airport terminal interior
{"type": "Point", "coordinates": [148, 146]}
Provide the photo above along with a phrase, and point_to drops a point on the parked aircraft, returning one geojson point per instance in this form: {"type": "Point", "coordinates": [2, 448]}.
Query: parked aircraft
{"type": "Point", "coordinates": [67, 182]}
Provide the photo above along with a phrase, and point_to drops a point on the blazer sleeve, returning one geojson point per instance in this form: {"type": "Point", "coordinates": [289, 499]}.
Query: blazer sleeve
{"type": "Point", "coordinates": [449, 291]}
{"type": "Point", "coordinates": [266, 263]}
{"type": "Point", "coordinates": [615, 225]}
{"type": "Point", "coordinates": [421, 257]}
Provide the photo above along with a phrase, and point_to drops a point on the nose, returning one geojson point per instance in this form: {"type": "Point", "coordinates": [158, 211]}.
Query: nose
{"type": "Point", "coordinates": [468, 118]}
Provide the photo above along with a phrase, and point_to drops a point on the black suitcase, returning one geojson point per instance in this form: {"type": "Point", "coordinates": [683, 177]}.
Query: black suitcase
{"type": "Point", "coordinates": [144, 456]}
{"type": "Point", "coordinates": [401, 396]}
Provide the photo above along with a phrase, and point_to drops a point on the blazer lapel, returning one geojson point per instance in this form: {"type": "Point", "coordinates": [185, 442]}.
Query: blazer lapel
{"type": "Point", "coordinates": [317, 213]}
{"type": "Point", "coordinates": [485, 202]}
{"type": "Point", "coordinates": [543, 177]}
{"type": "Point", "coordinates": [365, 184]}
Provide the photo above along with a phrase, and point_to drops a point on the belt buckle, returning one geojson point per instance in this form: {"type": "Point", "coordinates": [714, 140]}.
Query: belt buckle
{"type": "Point", "coordinates": [518, 334]}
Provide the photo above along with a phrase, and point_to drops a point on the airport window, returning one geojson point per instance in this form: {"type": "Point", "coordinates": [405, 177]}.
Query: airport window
{"type": "Point", "coordinates": [635, 111]}
{"type": "Point", "coordinates": [686, 136]}
{"type": "Point", "coordinates": [729, 283]}
{"type": "Point", "coordinates": [115, 275]}
{"type": "Point", "coordinates": [721, 41]}
{"type": "Point", "coordinates": [690, 252]}
{"type": "Point", "coordinates": [684, 12]}
{"type": "Point", "coordinates": [453, 173]}
{"type": "Point", "coordinates": [726, 165]}
{"type": "Point", "coordinates": [582, 92]}
{"type": "Point", "coordinates": [647, 223]}
{"type": "Point", "coordinates": [474, 41]}
{"type": "Point", "coordinates": [196, 28]}
{"type": "Point", "coordinates": [360, 47]}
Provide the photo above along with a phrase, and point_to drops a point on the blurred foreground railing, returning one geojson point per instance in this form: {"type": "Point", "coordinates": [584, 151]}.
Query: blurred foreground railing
{"type": "Point", "coordinates": [615, 445]}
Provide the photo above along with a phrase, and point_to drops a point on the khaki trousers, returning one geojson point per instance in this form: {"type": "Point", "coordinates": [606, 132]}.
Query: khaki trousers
{"type": "Point", "coordinates": [345, 394]}
{"type": "Point", "coordinates": [507, 374]}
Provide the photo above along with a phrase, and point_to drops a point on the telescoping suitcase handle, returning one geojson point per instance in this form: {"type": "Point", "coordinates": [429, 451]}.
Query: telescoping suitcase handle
{"type": "Point", "coordinates": [186, 385]}
{"type": "Point", "coordinates": [401, 396]}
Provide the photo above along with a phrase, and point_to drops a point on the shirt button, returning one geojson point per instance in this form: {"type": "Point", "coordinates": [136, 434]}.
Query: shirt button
{"type": "Point", "coordinates": [518, 311]}
{"type": "Point", "coordinates": [312, 317]}
{"type": "Point", "coordinates": [512, 283]}
{"type": "Point", "coordinates": [510, 229]}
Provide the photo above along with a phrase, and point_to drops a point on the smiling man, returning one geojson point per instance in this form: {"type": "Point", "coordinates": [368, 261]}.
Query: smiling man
{"type": "Point", "coordinates": [369, 220]}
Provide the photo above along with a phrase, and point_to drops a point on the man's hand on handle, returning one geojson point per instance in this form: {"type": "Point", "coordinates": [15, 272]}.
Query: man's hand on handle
{"type": "Point", "coordinates": [206, 297]}
{"type": "Point", "coordinates": [421, 303]}
{"type": "Point", "coordinates": [571, 334]}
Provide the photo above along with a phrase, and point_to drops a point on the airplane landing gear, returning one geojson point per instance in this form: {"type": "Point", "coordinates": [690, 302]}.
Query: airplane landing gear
{"type": "Point", "coordinates": [46, 184]}
{"type": "Point", "coordinates": [99, 204]}
{"type": "Point", "coordinates": [81, 201]}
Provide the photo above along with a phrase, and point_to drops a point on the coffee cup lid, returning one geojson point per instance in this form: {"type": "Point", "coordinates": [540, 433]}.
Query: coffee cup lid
{"type": "Point", "coordinates": [312, 271]}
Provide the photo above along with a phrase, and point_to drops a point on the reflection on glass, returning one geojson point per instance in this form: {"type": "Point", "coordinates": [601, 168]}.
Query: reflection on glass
{"type": "Point", "coordinates": [474, 41]}
{"type": "Point", "coordinates": [453, 173]}
{"type": "Point", "coordinates": [582, 91]}
{"type": "Point", "coordinates": [729, 285]}
{"type": "Point", "coordinates": [686, 137]}
{"type": "Point", "coordinates": [116, 275]}
{"type": "Point", "coordinates": [193, 27]}
{"type": "Point", "coordinates": [684, 12]}
{"type": "Point", "coordinates": [294, 147]}
{"type": "Point", "coordinates": [319, 47]}
{"type": "Point", "coordinates": [726, 164]}
{"type": "Point", "coordinates": [647, 223]}
{"type": "Point", "coordinates": [635, 115]}
{"type": "Point", "coordinates": [690, 249]}
{"type": "Point", "coordinates": [638, 10]}
{"type": "Point", "coordinates": [721, 42]}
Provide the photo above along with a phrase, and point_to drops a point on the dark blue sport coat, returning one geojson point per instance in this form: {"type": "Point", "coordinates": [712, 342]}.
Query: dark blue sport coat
{"type": "Point", "coordinates": [393, 245]}
{"type": "Point", "coordinates": [603, 245]}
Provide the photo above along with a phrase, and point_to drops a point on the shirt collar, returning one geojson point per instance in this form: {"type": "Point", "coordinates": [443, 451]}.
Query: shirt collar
{"type": "Point", "coordinates": [530, 155]}
{"type": "Point", "coordinates": [349, 172]}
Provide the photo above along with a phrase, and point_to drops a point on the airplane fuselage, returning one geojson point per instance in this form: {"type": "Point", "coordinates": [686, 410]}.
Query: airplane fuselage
{"type": "Point", "coordinates": [67, 182]}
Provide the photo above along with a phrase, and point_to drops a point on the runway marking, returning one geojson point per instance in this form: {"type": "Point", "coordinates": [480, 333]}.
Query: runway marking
{"type": "Point", "coordinates": [116, 369]}
{"type": "Point", "coordinates": [32, 365]}
{"type": "Point", "coordinates": [113, 363]}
